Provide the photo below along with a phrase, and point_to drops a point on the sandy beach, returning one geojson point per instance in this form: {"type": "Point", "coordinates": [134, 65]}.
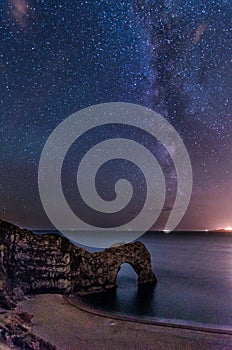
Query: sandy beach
{"type": "Point", "coordinates": [70, 328]}
{"type": "Point", "coordinates": [4, 347]}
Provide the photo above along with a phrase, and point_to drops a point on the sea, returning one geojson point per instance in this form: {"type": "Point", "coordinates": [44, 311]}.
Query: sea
{"type": "Point", "coordinates": [194, 272]}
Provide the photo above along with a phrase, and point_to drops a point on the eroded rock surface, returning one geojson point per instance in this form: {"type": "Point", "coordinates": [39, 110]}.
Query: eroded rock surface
{"type": "Point", "coordinates": [49, 263]}
{"type": "Point", "coordinates": [16, 332]}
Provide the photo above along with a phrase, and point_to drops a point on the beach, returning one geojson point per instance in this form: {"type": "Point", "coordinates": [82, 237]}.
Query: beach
{"type": "Point", "coordinates": [69, 328]}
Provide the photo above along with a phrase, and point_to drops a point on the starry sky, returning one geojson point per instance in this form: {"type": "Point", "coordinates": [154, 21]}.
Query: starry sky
{"type": "Point", "coordinates": [174, 56]}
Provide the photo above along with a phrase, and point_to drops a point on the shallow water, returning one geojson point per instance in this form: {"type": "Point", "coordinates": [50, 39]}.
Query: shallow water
{"type": "Point", "coordinates": [194, 272]}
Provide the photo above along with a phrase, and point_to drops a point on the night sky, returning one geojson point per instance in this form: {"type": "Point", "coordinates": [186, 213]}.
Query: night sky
{"type": "Point", "coordinates": [174, 56]}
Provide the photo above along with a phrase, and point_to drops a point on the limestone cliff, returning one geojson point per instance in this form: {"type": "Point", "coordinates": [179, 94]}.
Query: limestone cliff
{"type": "Point", "coordinates": [50, 263]}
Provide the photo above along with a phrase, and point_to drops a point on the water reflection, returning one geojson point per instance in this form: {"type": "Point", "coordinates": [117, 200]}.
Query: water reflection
{"type": "Point", "coordinates": [194, 281]}
{"type": "Point", "coordinates": [144, 300]}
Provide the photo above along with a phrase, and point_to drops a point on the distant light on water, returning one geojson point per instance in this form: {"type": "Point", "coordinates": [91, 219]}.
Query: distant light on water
{"type": "Point", "coordinates": [167, 231]}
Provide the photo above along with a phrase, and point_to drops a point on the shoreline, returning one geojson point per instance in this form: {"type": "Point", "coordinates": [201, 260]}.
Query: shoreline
{"type": "Point", "coordinates": [171, 323]}
{"type": "Point", "coordinates": [69, 327]}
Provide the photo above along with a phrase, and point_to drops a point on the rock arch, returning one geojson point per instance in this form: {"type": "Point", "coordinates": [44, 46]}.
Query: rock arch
{"type": "Point", "coordinates": [31, 263]}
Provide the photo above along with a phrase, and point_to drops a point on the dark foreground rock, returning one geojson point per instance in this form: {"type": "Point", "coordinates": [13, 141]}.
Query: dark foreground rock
{"type": "Point", "coordinates": [15, 332]}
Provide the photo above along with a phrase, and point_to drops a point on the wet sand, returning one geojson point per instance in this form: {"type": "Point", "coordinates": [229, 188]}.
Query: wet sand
{"type": "Point", "coordinates": [70, 328]}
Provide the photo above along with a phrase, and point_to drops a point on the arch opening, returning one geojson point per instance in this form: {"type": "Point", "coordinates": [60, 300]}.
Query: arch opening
{"type": "Point", "coordinates": [126, 276]}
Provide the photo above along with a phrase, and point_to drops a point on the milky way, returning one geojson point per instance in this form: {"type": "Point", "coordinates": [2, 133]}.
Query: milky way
{"type": "Point", "coordinates": [57, 57]}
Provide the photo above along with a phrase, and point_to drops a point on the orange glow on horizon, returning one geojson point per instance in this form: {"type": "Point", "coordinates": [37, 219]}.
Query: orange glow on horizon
{"type": "Point", "coordinates": [229, 228]}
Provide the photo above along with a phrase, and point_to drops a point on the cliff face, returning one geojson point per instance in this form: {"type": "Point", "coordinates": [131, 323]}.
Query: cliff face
{"type": "Point", "coordinates": [31, 263]}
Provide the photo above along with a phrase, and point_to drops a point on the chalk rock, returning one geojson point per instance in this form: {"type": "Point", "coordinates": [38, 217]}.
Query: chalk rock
{"type": "Point", "coordinates": [49, 263]}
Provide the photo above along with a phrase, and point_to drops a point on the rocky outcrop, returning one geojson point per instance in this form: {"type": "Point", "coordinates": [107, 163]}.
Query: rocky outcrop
{"type": "Point", "coordinates": [49, 263]}
{"type": "Point", "coordinates": [15, 331]}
